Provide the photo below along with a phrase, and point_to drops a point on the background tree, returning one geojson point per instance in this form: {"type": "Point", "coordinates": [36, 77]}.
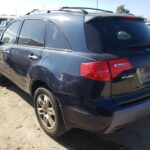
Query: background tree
{"type": "Point", "coordinates": [145, 19]}
{"type": "Point", "coordinates": [122, 10]}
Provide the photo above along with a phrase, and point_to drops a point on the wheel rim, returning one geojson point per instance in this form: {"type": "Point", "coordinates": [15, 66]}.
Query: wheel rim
{"type": "Point", "coordinates": [46, 111]}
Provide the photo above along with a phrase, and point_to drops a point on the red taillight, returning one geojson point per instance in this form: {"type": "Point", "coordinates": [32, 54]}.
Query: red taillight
{"type": "Point", "coordinates": [95, 70]}
{"type": "Point", "coordinates": [117, 66]}
{"type": "Point", "coordinates": [104, 70]}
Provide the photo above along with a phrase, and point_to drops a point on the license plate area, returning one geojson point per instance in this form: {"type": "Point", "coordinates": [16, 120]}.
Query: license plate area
{"type": "Point", "coordinates": [144, 75]}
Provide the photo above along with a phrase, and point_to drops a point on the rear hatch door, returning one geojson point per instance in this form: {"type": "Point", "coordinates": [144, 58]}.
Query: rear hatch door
{"type": "Point", "coordinates": [133, 84]}
{"type": "Point", "coordinates": [123, 37]}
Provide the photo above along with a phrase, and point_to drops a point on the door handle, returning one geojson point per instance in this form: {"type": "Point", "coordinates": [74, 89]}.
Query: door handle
{"type": "Point", "coordinates": [7, 51]}
{"type": "Point", "coordinates": [33, 57]}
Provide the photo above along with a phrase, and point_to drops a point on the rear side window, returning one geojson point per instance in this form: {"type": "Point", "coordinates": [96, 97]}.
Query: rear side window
{"type": "Point", "coordinates": [10, 35]}
{"type": "Point", "coordinates": [115, 34]}
{"type": "Point", "coordinates": [32, 33]}
{"type": "Point", "coordinates": [55, 38]}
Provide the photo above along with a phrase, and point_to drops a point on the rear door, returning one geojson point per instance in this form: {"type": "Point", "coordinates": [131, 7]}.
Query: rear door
{"type": "Point", "coordinates": [27, 52]}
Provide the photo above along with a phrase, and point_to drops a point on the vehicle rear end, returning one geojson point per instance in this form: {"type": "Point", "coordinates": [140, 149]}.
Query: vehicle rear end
{"type": "Point", "coordinates": [122, 46]}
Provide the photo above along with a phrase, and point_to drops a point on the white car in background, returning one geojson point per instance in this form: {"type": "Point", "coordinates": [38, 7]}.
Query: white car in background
{"type": "Point", "coordinates": [3, 24]}
{"type": "Point", "coordinates": [4, 21]}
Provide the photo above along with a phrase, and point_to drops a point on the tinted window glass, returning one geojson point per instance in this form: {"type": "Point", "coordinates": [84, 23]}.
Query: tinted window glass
{"type": "Point", "coordinates": [32, 33]}
{"type": "Point", "coordinates": [9, 36]}
{"type": "Point", "coordinates": [116, 34]}
{"type": "Point", "coordinates": [55, 38]}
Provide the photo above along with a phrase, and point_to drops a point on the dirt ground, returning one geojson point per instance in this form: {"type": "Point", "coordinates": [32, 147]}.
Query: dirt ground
{"type": "Point", "coordinates": [19, 129]}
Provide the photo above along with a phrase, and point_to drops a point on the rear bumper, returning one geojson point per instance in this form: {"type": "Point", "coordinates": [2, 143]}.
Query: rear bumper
{"type": "Point", "coordinates": [78, 118]}
{"type": "Point", "coordinates": [107, 123]}
{"type": "Point", "coordinates": [128, 115]}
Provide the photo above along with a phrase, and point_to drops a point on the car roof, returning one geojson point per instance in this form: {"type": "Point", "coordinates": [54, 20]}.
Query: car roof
{"type": "Point", "coordinates": [71, 23]}
{"type": "Point", "coordinates": [59, 15]}
{"type": "Point", "coordinates": [54, 15]}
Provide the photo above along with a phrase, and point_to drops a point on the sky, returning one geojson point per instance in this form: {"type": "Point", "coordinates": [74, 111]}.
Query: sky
{"type": "Point", "coordinates": [21, 7]}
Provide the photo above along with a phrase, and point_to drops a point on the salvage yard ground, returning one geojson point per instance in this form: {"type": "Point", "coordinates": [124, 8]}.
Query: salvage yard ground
{"type": "Point", "coordinates": [19, 129]}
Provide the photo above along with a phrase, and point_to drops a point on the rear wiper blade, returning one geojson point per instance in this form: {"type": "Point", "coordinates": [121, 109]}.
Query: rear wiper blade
{"type": "Point", "coordinates": [139, 46]}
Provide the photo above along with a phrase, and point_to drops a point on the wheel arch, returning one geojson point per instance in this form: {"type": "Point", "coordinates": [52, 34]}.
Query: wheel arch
{"type": "Point", "coordinates": [38, 83]}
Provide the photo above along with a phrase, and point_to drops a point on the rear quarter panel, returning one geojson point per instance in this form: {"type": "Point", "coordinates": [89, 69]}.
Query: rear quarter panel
{"type": "Point", "coordinates": [60, 70]}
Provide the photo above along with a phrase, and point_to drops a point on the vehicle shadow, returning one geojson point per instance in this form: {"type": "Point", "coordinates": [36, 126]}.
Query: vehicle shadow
{"type": "Point", "coordinates": [82, 140]}
{"type": "Point", "coordinates": [75, 139]}
{"type": "Point", "coordinates": [12, 87]}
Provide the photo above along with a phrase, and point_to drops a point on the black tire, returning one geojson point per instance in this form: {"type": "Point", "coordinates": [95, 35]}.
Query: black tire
{"type": "Point", "coordinates": [58, 127]}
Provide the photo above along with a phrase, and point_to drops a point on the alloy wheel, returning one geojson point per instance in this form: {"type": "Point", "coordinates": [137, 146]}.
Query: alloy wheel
{"type": "Point", "coordinates": [46, 111]}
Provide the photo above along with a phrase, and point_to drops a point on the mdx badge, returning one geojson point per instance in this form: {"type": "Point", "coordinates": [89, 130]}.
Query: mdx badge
{"type": "Point", "coordinates": [127, 76]}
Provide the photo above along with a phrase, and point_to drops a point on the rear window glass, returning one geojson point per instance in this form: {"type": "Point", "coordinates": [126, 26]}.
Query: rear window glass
{"type": "Point", "coordinates": [115, 34]}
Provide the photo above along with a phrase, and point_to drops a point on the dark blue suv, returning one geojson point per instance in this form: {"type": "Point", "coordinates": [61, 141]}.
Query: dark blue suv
{"type": "Point", "coordinates": [85, 69]}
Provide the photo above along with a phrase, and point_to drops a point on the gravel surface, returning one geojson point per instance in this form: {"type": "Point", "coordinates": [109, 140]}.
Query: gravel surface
{"type": "Point", "coordinates": [19, 129]}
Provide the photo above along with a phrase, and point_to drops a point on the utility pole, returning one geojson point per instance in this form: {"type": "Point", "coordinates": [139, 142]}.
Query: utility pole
{"type": "Point", "coordinates": [43, 5]}
{"type": "Point", "coordinates": [97, 4]}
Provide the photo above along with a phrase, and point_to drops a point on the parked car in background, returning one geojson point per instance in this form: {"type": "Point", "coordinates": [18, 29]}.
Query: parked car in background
{"type": "Point", "coordinates": [3, 25]}
{"type": "Point", "coordinates": [4, 21]}
{"type": "Point", "coordinates": [88, 70]}
{"type": "Point", "coordinates": [148, 24]}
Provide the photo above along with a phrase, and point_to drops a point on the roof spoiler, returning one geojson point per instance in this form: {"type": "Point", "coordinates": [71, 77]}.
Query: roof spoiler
{"type": "Point", "coordinates": [127, 17]}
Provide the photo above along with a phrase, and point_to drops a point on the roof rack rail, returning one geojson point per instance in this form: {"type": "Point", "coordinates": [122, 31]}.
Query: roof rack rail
{"type": "Point", "coordinates": [77, 8]}
{"type": "Point", "coordinates": [83, 9]}
{"type": "Point", "coordinates": [38, 11]}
